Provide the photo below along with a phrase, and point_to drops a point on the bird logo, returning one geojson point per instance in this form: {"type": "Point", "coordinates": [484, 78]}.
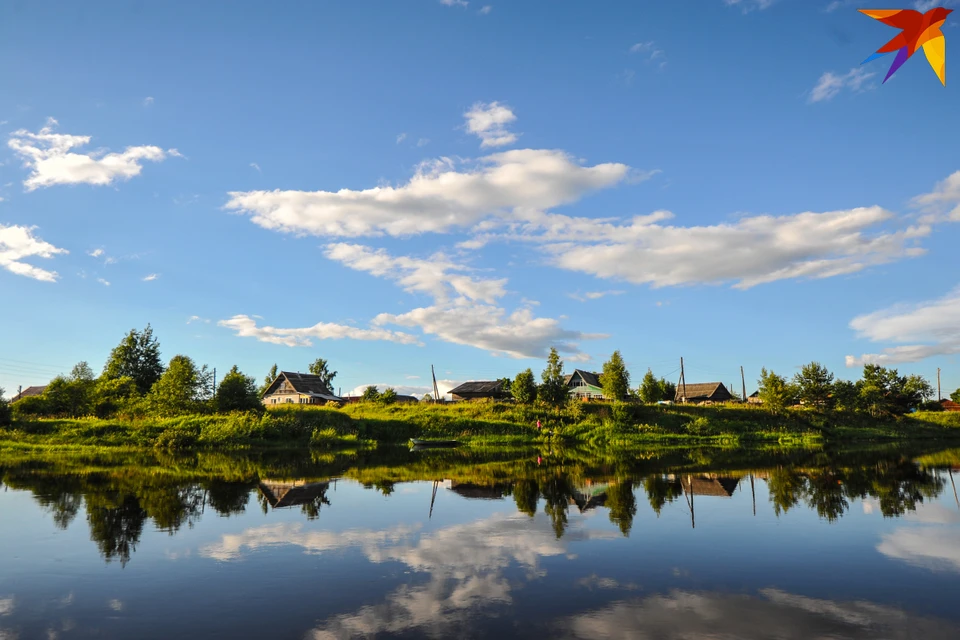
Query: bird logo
{"type": "Point", "coordinates": [917, 30]}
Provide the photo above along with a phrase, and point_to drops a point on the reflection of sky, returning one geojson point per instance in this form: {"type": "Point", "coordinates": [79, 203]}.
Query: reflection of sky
{"type": "Point", "coordinates": [371, 564]}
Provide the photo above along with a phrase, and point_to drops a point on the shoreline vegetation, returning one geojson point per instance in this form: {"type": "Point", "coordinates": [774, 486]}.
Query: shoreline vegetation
{"type": "Point", "coordinates": [138, 402]}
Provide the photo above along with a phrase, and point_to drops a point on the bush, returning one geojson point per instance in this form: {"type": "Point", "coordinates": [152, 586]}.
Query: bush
{"type": "Point", "coordinates": [333, 404]}
{"type": "Point", "coordinates": [29, 408]}
{"type": "Point", "coordinates": [6, 415]}
{"type": "Point", "coordinates": [930, 405]}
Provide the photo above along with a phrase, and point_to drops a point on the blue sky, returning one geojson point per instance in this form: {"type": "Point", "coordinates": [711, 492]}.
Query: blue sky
{"type": "Point", "coordinates": [391, 185]}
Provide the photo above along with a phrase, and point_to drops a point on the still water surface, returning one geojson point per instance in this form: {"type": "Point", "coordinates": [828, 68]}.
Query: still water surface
{"type": "Point", "coordinates": [694, 544]}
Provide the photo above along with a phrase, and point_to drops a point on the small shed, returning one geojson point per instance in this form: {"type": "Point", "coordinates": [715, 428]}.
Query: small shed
{"type": "Point", "coordinates": [703, 392]}
{"type": "Point", "coordinates": [477, 389]}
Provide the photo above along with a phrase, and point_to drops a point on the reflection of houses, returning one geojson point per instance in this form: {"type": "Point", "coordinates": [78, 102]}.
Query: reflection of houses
{"type": "Point", "coordinates": [298, 388]}
{"type": "Point", "coordinates": [292, 493]}
{"type": "Point", "coordinates": [702, 392]}
{"type": "Point", "coordinates": [589, 496]}
{"type": "Point", "coordinates": [717, 487]}
{"type": "Point", "coordinates": [584, 385]}
{"type": "Point", "coordinates": [28, 392]}
{"type": "Point", "coordinates": [479, 491]}
{"type": "Point", "coordinates": [478, 389]}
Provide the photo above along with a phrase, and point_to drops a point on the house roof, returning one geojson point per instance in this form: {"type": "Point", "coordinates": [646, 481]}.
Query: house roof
{"type": "Point", "coordinates": [479, 386]}
{"type": "Point", "coordinates": [28, 392]}
{"type": "Point", "coordinates": [699, 389]}
{"type": "Point", "coordinates": [719, 487]}
{"type": "Point", "coordinates": [290, 494]}
{"type": "Point", "coordinates": [304, 383]}
{"type": "Point", "coordinates": [592, 379]}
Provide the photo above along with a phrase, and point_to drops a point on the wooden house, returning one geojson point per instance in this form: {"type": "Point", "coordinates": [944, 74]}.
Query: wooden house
{"type": "Point", "coordinates": [702, 392]}
{"type": "Point", "coordinates": [477, 389]}
{"type": "Point", "coordinates": [584, 385]}
{"type": "Point", "coordinates": [29, 392]}
{"type": "Point", "coordinates": [286, 493]}
{"type": "Point", "coordinates": [754, 398]}
{"type": "Point", "coordinates": [298, 388]}
{"type": "Point", "coordinates": [950, 405]}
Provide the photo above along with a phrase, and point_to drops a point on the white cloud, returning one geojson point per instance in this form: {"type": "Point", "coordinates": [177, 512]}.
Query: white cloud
{"type": "Point", "coordinates": [407, 390]}
{"type": "Point", "coordinates": [440, 197]}
{"type": "Point", "coordinates": [151, 277]}
{"type": "Point", "coordinates": [401, 138]}
{"type": "Point", "coordinates": [116, 605]}
{"type": "Point", "coordinates": [454, 3]}
{"type": "Point", "coordinates": [932, 548]}
{"type": "Point", "coordinates": [489, 123]}
{"type": "Point", "coordinates": [193, 319]}
{"type": "Point", "coordinates": [49, 156]}
{"type": "Point", "coordinates": [17, 243]}
{"type": "Point", "coordinates": [651, 53]}
{"type": "Point", "coordinates": [96, 253]}
{"type": "Point", "coordinates": [594, 295]}
{"type": "Point", "coordinates": [749, 5]}
{"type": "Point", "coordinates": [752, 251]}
{"type": "Point", "coordinates": [412, 377]}
{"type": "Point", "coordinates": [831, 84]}
{"type": "Point", "coordinates": [463, 311]}
{"type": "Point", "coordinates": [7, 605]}
{"type": "Point", "coordinates": [422, 142]}
{"type": "Point", "coordinates": [943, 203]}
{"type": "Point", "coordinates": [148, 101]}
{"type": "Point", "coordinates": [246, 327]}
{"type": "Point", "coordinates": [484, 10]}
{"type": "Point", "coordinates": [933, 328]}
{"type": "Point", "coordinates": [103, 282]}
{"type": "Point", "coordinates": [256, 166]}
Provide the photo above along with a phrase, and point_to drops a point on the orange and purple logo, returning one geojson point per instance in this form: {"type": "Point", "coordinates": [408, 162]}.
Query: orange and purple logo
{"type": "Point", "coordinates": [916, 30]}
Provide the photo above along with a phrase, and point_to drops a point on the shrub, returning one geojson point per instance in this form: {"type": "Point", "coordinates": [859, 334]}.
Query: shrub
{"type": "Point", "coordinates": [29, 408]}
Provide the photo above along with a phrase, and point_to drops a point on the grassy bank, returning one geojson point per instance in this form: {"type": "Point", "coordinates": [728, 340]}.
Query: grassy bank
{"type": "Point", "coordinates": [480, 424]}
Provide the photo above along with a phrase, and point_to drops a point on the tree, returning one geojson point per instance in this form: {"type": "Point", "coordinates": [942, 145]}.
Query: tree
{"type": "Point", "coordinates": [6, 416]}
{"type": "Point", "coordinates": [138, 357]}
{"type": "Point", "coordinates": [426, 398]}
{"type": "Point", "coordinates": [72, 395]}
{"type": "Point", "coordinates": [650, 390]}
{"type": "Point", "coordinates": [846, 395]}
{"type": "Point", "coordinates": [814, 384]}
{"type": "Point", "coordinates": [885, 392]}
{"type": "Point", "coordinates": [524, 388]}
{"type": "Point", "coordinates": [554, 391]}
{"type": "Point", "coordinates": [112, 395]}
{"type": "Point", "coordinates": [615, 378]}
{"type": "Point", "coordinates": [271, 376]}
{"type": "Point", "coordinates": [955, 396]}
{"type": "Point", "coordinates": [320, 367]}
{"type": "Point", "coordinates": [179, 390]}
{"type": "Point", "coordinates": [775, 392]}
{"type": "Point", "coordinates": [237, 392]}
{"type": "Point", "coordinates": [668, 389]}
{"type": "Point", "coordinates": [370, 394]}
{"type": "Point", "coordinates": [389, 396]}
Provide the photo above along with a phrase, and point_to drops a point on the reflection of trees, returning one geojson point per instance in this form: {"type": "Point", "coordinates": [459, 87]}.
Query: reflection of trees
{"type": "Point", "coordinates": [622, 504]}
{"type": "Point", "coordinates": [787, 487]}
{"type": "Point", "coordinates": [526, 493]}
{"type": "Point", "coordinates": [115, 525]}
{"type": "Point", "coordinates": [173, 507]}
{"type": "Point", "coordinates": [228, 498]}
{"type": "Point", "coordinates": [661, 491]}
{"type": "Point", "coordinates": [311, 509]}
{"type": "Point", "coordinates": [556, 494]}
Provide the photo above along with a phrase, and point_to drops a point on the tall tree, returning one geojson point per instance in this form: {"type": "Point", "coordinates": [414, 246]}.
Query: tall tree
{"type": "Point", "coordinates": [615, 379]}
{"type": "Point", "coordinates": [320, 367]}
{"type": "Point", "coordinates": [650, 390]}
{"type": "Point", "coordinates": [389, 396]}
{"type": "Point", "coordinates": [554, 391]}
{"type": "Point", "coordinates": [6, 416]}
{"type": "Point", "coordinates": [271, 376]}
{"type": "Point", "coordinates": [814, 385]}
{"type": "Point", "coordinates": [179, 390]}
{"type": "Point", "coordinates": [668, 389]}
{"type": "Point", "coordinates": [237, 392]}
{"type": "Point", "coordinates": [775, 392]}
{"type": "Point", "coordinates": [370, 394]}
{"type": "Point", "coordinates": [955, 396]}
{"type": "Point", "coordinates": [137, 357]}
{"type": "Point", "coordinates": [846, 395]}
{"type": "Point", "coordinates": [524, 388]}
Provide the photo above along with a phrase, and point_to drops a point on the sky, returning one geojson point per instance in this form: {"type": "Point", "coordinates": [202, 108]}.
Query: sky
{"type": "Point", "coordinates": [393, 185]}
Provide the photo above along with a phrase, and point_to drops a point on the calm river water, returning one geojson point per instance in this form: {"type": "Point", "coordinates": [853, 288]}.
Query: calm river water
{"type": "Point", "coordinates": [531, 544]}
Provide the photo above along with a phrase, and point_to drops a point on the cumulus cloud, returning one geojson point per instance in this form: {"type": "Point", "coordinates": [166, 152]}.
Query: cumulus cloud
{"type": "Point", "coordinates": [751, 251]}
{"type": "Point", "coordinates": [930, 328]}
{"type": "Point", "coordinates": [246, 327]}
{"type": "Point", "coordinates": [932, 548]}
{"type": "Point", "coordinates": [831, 84]}
{"type": "Point", "coordinates": [96, 253]}
{"type": "Point", "coordinates": [489, 123]}
{"type": "Point", "coordinates": [18, 243]}
{"type": "Point", "coordinates": [442, 196]}
{"type": "Point", "coordinates": [407, 390]}
{"type": "Point", "coordinates": [52, 161]}
{"type": "Point", "coordinates": [769, 614]}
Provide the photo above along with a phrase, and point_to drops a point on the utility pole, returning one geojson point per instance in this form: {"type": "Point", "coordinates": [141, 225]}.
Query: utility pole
{"type": "Point", "coordinates": [19, 392]}
{"type": "Point", "coordinates": [436, 391]}
{"type": "Point", "coordinates": [214, 390]}
{"type": "Point", "coordinates": [683, 381]}
{"type": "Point", "coordinates": [744, 382]}
{"type": "Point", "coordinates": [939, 397]}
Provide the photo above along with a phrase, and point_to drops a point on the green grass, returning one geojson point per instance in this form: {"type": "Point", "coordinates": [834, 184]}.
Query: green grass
{"type": "Point", "coordinates": [483, 424]}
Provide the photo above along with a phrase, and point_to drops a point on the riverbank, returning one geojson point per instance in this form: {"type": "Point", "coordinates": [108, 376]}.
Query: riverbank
{"type": "Point", "coordinates": [480, 424]}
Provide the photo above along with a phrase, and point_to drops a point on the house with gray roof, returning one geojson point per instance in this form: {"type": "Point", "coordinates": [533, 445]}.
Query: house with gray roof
{"type": "Point", "coordinates": [298, 388]}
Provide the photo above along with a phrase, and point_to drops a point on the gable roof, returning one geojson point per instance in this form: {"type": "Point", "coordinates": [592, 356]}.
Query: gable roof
{"type": "Point", "coordinates": [592, 379]}
{"type": "Point", "coordinates": [718, 487]}
{"type": "Point", "coordinates": [307, 384]}
{"type": "Point", "coordinates": [28, 392]}
{"type": "Point", "coordinates": [700, 390]}
{"type": "Point", "coordinates": [480, 386]}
